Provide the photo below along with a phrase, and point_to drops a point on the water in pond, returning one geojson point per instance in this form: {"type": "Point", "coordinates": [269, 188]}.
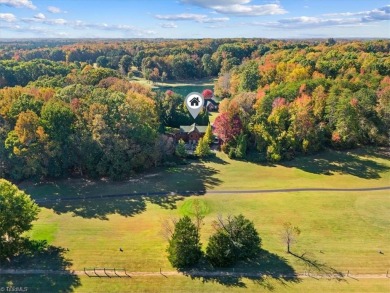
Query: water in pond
{"type": "Point", "coordinates": [185, 90]}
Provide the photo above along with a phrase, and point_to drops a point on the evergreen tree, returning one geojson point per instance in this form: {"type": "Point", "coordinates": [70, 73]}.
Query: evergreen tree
{"type": "Point", "coordinates": [184, 248]}
{"type": "Point", "coordinates": [220, 250]}
{"type": "Point", "coordinates": [240, 151]}
{"type": "Point", "coordinates": [208, 135]}
{"type": "Point", "coordinates": [236, 238]}
{"type": "Point", "coordinates": [203, 148]}
{"type": "Point", "coordinates": [181, 149]}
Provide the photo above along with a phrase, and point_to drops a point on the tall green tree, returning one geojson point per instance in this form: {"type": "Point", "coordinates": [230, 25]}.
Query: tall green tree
{"type": "Point", "coordinates": [250, 76]}
{"type": "Point", "coordinates": [203, 148]}
{"type": "Point", "coordinates": [58, 122]}
{"type": "Point", "coordinates": [209, 65]}
{"type": "Point", "coordinates": [102, 61]}
{"type": "Point", "coordinates": [235, 238]}
{"type": "Point", "coordinates": [180, 150]}
{"type": "Point", "coordinates": [240, 151]}
{"type": "Point", "coordinates": [24, 103]}
{"type": "Point", "coordinates": [125, 63]}
{"type": "Point", "coordinates": [18, 211]}
{"type": "Point", "coordinates": [220, 250]}
{"type": "Point", "coordinates": [208, 136]}
{"type": "Point", "coordinates": [184, 248]}
{"type": "Point", "coordinates": [57, 119]}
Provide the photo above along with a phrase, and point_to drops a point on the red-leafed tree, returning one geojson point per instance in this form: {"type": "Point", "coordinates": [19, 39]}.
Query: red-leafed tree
{"type": "Point", "coordinates": [207, 94]}
{"type": "Point", "coordinates": [278, 102]}
{"type": "Point", "coordinates": [227, 126]}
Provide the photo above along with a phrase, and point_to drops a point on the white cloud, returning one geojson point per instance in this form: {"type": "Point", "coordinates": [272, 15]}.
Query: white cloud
{"type": "Point", "coordinates": [382, 13]}
{"type": "Point", "coordinates": [135, 31]}
{"type": "Point", "coordinates": [328, 20]}
{"type": "Point", "coordinates": [8, 17]}
{"type": "Point", "coordinates": [53, 9]}
{"type": "Point", "coordinates": [168, 25]}
{"type": "Point", "coordinates": [40, 16]}
{"type": "Point", "coordinates": [60, 21]}
{"type": "Point", "coordinates": [23, 29]}
{"type": "Point", "coordinates": [315, 21]}
{"type": "Point", "coordinates": [214, 20]}
{"type": "Point", "coordinates": [251, 10]}
{"type": "Point", "coordinates": [18, 3]}
{"type": "Point", "coordinates": [36, 30]}
{"type": "Point", "coordinates": [210, 3]}
{"type": "Point", "coordinates": [377, 14]}
{"type": "Point", "coordinates": [79, 25]}
{"type": "Point", "coordinates": [201, 18]}
{"type": "Point", "coordinates": [238, 7]}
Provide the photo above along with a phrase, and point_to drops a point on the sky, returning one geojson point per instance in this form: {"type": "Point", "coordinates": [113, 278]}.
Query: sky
{"type": "Point", "coordinates": [194, 18]}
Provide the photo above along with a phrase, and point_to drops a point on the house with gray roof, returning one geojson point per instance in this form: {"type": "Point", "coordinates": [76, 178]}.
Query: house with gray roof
{"type": "Point", "coordinates": [191, 133]}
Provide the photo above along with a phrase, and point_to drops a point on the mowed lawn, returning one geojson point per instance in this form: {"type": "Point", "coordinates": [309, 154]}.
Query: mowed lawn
{"type": "Point", "coordinates": [341, 231]}
{"type": "Point", "coordinates": [329, 169]}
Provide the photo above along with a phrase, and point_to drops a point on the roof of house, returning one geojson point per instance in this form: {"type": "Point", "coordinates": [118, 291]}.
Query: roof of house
{"type": "Point", "coordinates": [211, 101]}
{"type": "Point", "coordinates": [193, 127]}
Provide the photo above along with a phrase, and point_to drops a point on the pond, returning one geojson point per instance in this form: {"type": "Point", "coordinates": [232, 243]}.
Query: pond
{"type": "Point", "coordinates": [185, 89]}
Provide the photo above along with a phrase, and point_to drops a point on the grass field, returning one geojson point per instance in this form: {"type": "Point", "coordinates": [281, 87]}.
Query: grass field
{"type": "Point", "coordinates": [182, 87]}
{"type": "Point", "coordinates": [191, 82]}
{"type": "Point", "coordinates": [341, 231]}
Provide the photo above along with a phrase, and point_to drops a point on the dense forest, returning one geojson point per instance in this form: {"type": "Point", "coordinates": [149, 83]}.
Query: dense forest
{"type": "Point", "coordinates": [73, 108]}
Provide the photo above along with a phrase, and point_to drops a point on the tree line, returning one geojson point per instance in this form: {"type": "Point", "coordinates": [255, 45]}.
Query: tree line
{"type": "Point", "coordinates": [299, 101]}
{"type": "Point", "coordinates": [279, 99]}
{"type": "Point", "coordinates": [102, 127]}
{"type": "Point", "coordinates": [160, 60]}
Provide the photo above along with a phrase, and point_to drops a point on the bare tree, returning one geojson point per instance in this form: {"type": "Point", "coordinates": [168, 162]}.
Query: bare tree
{"type": "Point", "coordinates": [229, 226]}
{"type": "Point", "coordinates": [221, 224]}
{"type": "Point", "coordinates": [290, 234]}
{"type": "Point", "coordinates": [168, 227]}
{"type": "Point", "coordinates": [197, 211]}
{"type": "Point", "coordinates": [168, 224]}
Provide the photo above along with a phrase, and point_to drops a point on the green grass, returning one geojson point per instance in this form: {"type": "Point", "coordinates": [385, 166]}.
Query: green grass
{"type": "Point", "coordinates": [182, 87]}
{"type": "Point", "coordinates": [179, 83]}
{"type": "Point", "coordinates": [46, 229]}
{"type": "Point", "coordinates": [353, 169]}
{"type": "Point", "coordinates": [341, 231]}
{"type": "Point", "coordinates": [213, 116]}
{"type": "Point", "coordinates": [331, 222]}
{"type": "Point", "coordinates": [187, 208]}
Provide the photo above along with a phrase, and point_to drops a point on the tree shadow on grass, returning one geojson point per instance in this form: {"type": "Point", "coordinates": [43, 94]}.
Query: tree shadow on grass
{"type": "Point", "coordinates": [254, 157]}
{"type": "Point", "coordinates": [213, 158]}
{"type": "Point", "coordinates": [98, 199]}
{"type": "Point", "coordinates": [37, 255]}
{"type": "Point", "coordinates": [342, 162]}
{"type": "Point", "coordinates": [378, 152]}
{"type": "Point", "coordinates": [265, 270]}
{"type": "Point", "coordinates": [315, 267]}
